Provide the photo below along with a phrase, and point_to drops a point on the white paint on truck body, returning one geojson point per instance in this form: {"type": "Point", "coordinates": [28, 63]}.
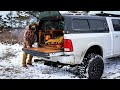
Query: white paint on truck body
{"type": "Point", "coordinates": [83, 41]}
{"type": "Point", "coordinates": [115, 37]}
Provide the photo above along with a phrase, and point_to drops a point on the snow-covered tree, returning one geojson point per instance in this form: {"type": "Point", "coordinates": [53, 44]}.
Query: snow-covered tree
{"type": "Point", "coordinates": [1, 26]}
{"type": "Point", "coordinates": [9, 19]}
{"type": "Point", "coordinates": [33, 13]}
{"type": "Point", "coordinates": [2, 23]}
{"type": "Point", "coordinates": [21, 18]}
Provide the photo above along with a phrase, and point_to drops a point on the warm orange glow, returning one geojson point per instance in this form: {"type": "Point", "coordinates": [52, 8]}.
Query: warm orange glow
{"type": "Point", "coordinates": [47, 37]}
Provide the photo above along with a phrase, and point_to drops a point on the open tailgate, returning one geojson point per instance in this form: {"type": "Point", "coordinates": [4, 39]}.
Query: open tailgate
{"type": "Point", "coordinates": [42, 52]}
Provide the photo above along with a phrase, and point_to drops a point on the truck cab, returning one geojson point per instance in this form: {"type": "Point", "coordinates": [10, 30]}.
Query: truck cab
{"type": "Point", "coordinates": [114, 26]}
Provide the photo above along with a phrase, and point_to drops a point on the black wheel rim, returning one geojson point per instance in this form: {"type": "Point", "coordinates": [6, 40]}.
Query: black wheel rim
{"type": "Point", "coordinates": [95, 71]}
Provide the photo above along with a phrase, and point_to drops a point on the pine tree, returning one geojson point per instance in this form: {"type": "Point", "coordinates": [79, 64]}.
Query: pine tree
{"type": "Point", "coordinates": [33, 13]}
{"type": "Point", "coordinates": [9, 19]}
{"type": "Point", "coordinates": [21, 18]}
{"type": "Point", "coordinates": [2, 23]}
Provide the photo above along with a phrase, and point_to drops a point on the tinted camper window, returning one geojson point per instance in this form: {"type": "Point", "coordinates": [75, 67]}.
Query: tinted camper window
{"type": "Point", "coordinates": [80, 24]}
{"type": "Point", "coordinates": [89, 25]}
{"type": "Point", "coordinates": [96, 24]}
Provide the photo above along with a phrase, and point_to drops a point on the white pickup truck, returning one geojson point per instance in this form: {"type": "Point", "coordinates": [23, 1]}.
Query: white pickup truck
{"type": "Point", "coordinates": [88, 41]}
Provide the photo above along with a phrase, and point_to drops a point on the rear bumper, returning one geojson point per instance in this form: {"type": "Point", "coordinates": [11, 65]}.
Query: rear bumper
{"type": "Point", "coordinates": [69, 60]}
{"type": "Point", "coordinates": [53, 57]}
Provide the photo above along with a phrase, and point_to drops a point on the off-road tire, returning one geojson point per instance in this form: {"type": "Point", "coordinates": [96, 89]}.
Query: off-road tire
{"type": "Point", "coordinates": [95, 67]}
{"type": "Point", "coordinates": [92, 67]}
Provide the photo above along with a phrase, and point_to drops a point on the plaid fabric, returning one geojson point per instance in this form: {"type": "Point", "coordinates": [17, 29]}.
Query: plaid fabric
{"type": "Point", "coordinates": [28, 38]}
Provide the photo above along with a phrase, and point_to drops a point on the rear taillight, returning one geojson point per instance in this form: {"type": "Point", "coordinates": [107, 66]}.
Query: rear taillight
{"type": "Point", "coordinates": [68, 47]}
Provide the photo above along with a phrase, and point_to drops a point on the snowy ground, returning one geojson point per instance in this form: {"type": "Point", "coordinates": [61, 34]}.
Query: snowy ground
{"type": "Point", "coordinates": [10, 67]}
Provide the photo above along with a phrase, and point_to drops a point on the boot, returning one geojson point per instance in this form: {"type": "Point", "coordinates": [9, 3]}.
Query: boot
{"type": "Point", "coordinates": [24, 59]}
{"type": "Point", "coordinates": [30, 60]}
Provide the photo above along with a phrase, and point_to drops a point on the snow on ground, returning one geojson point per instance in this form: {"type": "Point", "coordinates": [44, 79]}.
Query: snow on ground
{"type": "Point", "coordinates": [10, 67]}
{"type": "Point", "coordinates": [112, 68]}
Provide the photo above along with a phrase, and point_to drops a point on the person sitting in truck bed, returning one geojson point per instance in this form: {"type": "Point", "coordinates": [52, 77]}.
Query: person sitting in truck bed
{"type": "Point", "coordinates": [28, 41]}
